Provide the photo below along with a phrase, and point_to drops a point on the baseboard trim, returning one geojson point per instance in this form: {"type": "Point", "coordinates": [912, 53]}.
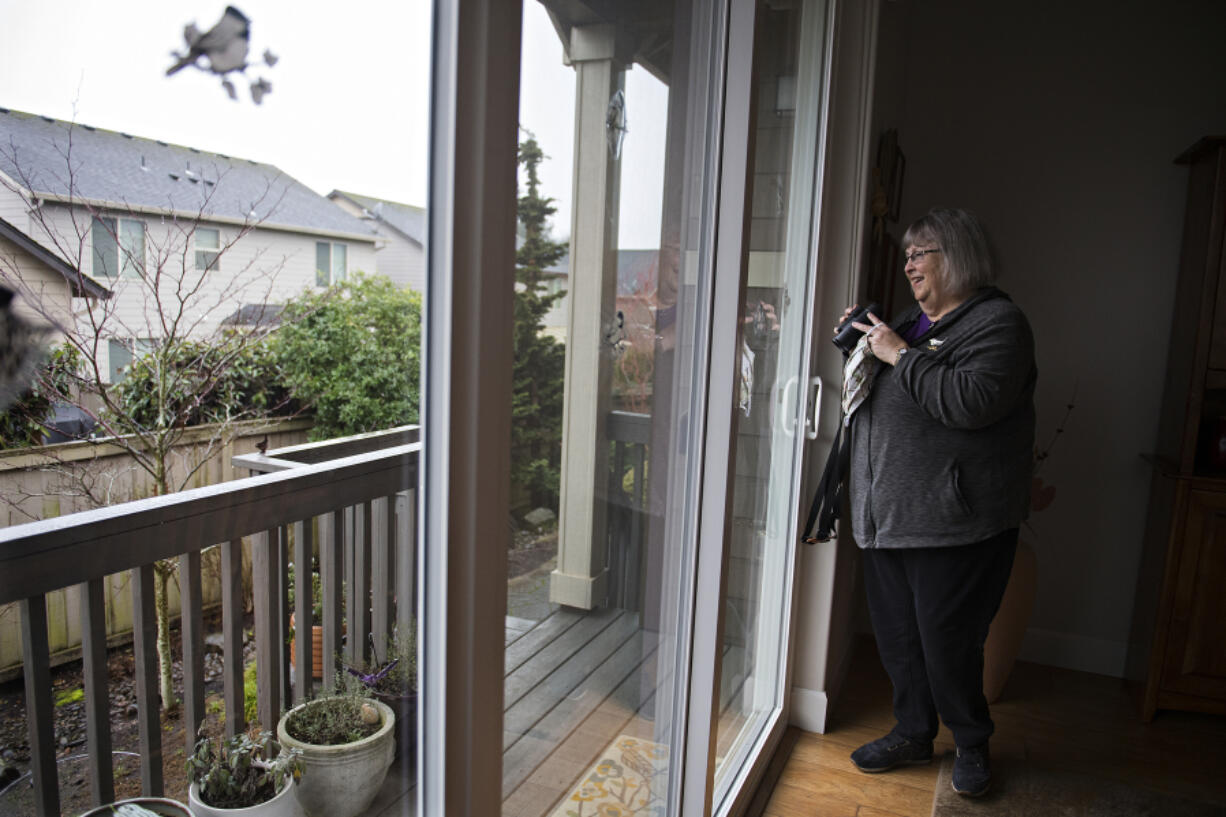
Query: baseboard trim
{"type": "Point", "coordinates": [1076, 652]}
{"type": "Point", "coordinates": [808, 709]}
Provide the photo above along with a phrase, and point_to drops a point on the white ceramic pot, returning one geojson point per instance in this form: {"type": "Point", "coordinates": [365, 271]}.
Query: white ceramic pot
{"type": "Point", "coordinates": [341, 781]}
{"type": "Point", "coordinates": [285, 804]}
{"type": "Point", "coordinates": [158, 805]}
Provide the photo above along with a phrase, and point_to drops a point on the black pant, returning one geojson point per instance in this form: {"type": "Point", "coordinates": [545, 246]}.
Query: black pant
{"type": "Point", "coordinates": [931, 609]}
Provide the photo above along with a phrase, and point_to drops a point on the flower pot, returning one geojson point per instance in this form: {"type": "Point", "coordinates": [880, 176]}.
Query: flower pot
{"type": "Point", "coordinates": [1008, 628]}
{"type": "Point", "coordinates": [405, 707]}
{"type": "Point", "coordinates": [317, 648]}
{"type": "Point", "coordinates": [285, 804]}
{"type": "Point", "coordinates": [341, 781]}
{"type": "Point", "coordinates": [158, 805]}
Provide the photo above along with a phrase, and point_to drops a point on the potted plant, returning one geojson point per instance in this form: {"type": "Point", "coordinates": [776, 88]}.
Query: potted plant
{"type": "Point", "coordinates": [243, 776]}
{"type": "Point", "coordinates": [394, 682]}
{"type": "Point", "coordinates": [347, 745]}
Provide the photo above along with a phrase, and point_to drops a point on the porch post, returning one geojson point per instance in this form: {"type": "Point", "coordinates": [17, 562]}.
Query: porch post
{"type": "Point", "coordinates": [581, 577]}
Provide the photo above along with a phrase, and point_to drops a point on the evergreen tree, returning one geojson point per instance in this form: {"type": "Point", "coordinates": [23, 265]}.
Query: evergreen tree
{"type": "Point", "coordinates": [540, 360]}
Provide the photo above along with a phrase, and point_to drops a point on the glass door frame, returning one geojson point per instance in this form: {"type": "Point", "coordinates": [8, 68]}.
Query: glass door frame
{"type": "Point", "coordinates": [466, 408]}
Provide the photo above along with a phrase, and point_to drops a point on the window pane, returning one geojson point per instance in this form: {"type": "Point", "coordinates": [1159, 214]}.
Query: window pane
{"type": "Point", "coordinates": [613, 283]}
{"type": "Point", "coordinates": [768, 442]}
{"type": "Point", "coordinates": [339, 263]}
{"type": "Point", "coordinates": [208, 242]}
{"type": "Point", "coordinates": [120, 358]}
{"type": "Point", "coordinates": [132, 247]}
{"type": "Point", "coordinates": [105, 248]}
{"type": "Point", "coordinates": [323, 263]}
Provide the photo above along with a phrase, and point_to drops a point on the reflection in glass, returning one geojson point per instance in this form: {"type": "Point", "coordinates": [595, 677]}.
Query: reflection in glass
{"type": "Point", "coordinates": [599, 567]}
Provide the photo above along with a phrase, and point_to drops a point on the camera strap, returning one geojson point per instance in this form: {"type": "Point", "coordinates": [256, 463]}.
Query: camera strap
{"type": "Point", "coordinates": [828, 499]}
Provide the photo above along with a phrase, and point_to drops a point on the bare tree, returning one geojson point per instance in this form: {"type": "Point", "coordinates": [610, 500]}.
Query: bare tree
{"type": "Point", "coordinates": [193, 300]}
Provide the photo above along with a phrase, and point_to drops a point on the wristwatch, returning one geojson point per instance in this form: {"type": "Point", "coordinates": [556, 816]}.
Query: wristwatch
{"type": "Point", "coordinates": [901, 352]}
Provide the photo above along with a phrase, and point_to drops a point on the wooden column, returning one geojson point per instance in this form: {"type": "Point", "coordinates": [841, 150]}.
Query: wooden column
{"type": "Point", "coordinates": [580, 579]}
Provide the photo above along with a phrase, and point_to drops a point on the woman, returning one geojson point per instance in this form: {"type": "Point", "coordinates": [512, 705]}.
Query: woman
{"type": "Point", "coordinates": [941, 460]}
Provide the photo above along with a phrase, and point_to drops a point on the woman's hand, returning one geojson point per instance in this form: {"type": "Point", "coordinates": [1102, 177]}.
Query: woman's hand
{"type": "Point", "coordinates": [883, 341]}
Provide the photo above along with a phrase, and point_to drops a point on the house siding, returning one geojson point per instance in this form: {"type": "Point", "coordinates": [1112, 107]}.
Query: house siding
{"type": "Point", "coordinates": [44, 296]}
{"type": "Point", "coordinates": [264, 266]}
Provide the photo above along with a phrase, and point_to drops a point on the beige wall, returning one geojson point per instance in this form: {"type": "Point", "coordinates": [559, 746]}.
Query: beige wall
{"type": "Point", "coordinates": [1058, 122]}
{"type": "Point", "coordinates": [44, 296]}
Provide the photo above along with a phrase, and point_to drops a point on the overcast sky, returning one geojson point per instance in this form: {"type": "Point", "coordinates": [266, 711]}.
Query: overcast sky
{"type": "Point", "coordinates": [350, 100]}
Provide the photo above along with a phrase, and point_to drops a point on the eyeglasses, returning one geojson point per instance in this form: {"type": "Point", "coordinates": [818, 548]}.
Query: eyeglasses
{"type": "Point", "coordinates": [918, 254]}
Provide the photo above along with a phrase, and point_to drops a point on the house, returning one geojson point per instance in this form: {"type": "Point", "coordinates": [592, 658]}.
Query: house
{"type": "Point", "coordinates": [688, 648]}
{"type": "Point", "coordinates": [178, 234]}
{"type": "Point", "coordinates": [400, 253]}
{"type": "Point", "coordinates": [45, 279]}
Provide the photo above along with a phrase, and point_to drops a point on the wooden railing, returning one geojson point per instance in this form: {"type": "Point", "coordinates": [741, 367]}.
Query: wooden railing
{"type": "Point", "coordinates": [630, 435]}
{"type": "Point", "coordinates": [359, 507]}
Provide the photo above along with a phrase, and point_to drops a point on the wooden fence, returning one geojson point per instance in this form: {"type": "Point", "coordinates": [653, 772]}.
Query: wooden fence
{"type": "Point", "coordinates": [36, 483]}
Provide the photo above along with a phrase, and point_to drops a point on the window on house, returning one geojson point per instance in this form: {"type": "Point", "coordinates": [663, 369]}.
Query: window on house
{"type": "Point", "coordinates": [121, 353]}
{"type": "Point", "coordinates": [331, 263]}
{"type": "Point", "coordinates": [118, 247]}
{"type": "Point", "coordinates": [208, 249]}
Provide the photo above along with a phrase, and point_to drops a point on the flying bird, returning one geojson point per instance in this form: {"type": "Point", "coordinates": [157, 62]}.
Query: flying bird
{"type": "Point", "coordinates": [225, 44]}
{"type": "Point", "coordinates": [225, 48]}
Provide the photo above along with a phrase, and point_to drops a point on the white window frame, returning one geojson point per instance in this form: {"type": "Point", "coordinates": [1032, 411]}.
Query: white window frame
{"type": "Point", "coordinates": [331, 273]}
{"type": "Point", "coordinates": [126, 264]}
{"type": "Point", "coordinates": [204, 263]}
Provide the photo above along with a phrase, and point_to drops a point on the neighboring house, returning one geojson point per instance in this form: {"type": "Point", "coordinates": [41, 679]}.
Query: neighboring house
{"type": "Point", "coordinates": [40, 276]}
{"type": "Point", "coordinates": [177, 233]}
{"type": "Point", "coordinates": [637, 274]}
{"type": "Point", "coordinates": [401, 230]}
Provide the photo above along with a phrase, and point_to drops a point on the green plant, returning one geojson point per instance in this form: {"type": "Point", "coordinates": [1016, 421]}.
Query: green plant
{"type": "Point", "coordinates": [396, 674]}
{"type": "Point", "coordinates": [69, 696]}
{"type": "Point", "coordinates": [539, 359]}
{"type": "Point", "coordinates": [240, 772]}
{"type": "Point", "coordinates": [250, 691]}
{"type": "Point", "coordinates": [190, 383]}
{"type": "Point", "coordinates": [352, 353]}
{"type": "Point", "coordinates": [333, 721]}
{"type": "Point", "coordinates": [317, 593]}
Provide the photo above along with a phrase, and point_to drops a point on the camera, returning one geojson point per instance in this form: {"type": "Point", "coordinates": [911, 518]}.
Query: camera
{"type": "Point", "coordinates": [847, 336]}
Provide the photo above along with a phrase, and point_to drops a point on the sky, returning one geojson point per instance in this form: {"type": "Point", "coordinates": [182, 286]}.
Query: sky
{"type": "Point", "coordinates": [349, 108]}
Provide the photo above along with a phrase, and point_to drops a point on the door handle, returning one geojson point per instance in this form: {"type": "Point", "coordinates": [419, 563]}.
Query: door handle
{"type": "Point", "coordinates": [811, 422]}
{"type": "Point", "coordinates": [787, 421]}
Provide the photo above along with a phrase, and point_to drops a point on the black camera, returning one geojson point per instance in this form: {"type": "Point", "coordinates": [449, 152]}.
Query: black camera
{"type": "Point", "coordinates": [847, 336]}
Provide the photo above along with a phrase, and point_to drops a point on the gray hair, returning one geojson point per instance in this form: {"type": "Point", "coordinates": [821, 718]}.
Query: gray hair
{"type": "Point", "coordinates": [965, 249]}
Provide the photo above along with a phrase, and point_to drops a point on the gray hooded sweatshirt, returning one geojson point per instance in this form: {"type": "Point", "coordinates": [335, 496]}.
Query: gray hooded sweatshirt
{"type": "Point", "coordinates": [943, 449]}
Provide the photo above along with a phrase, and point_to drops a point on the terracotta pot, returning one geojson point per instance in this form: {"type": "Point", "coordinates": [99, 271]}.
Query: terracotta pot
{"type": "Point", "coordinates": [317, 648]}
{"type": "Point", "coordinates": [1009, 627]}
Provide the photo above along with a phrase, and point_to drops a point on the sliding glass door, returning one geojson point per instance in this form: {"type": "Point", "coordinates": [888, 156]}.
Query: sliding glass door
{"type": "Point", "coordinates": [774, 388]}
{"type": "Point", "coordinates": [624, 366]}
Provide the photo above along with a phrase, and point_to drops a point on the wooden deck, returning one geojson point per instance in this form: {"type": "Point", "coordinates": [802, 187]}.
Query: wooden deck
{"type": "Point", "coordinates": [573, 682]}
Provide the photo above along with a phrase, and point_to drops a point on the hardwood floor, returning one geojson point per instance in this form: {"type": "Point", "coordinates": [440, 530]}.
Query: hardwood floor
{"type": "Point", "coordinates": [1049, 717]}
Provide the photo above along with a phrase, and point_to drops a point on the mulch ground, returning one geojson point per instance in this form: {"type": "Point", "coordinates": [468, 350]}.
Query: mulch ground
{"type": "Point", "coordinates": [75, 794]}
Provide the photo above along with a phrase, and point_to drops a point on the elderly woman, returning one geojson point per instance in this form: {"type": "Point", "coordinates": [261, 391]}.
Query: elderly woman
{"type": "Point", "coordinates": [941, 460]}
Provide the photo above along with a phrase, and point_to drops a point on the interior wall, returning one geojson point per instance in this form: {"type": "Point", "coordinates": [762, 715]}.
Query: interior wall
{"type": "Point", "coordinates": [1057, 123]}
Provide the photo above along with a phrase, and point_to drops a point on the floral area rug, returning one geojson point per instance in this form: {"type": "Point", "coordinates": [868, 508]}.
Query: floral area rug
{"type": "Point", "coordinates": [629, 780]}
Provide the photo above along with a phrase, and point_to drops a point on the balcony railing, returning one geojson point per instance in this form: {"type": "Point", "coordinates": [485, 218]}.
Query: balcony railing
{"type": "Point", "coordinates": [351, 500]}
{"type": "Point", "coordinates": [358, 506]}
